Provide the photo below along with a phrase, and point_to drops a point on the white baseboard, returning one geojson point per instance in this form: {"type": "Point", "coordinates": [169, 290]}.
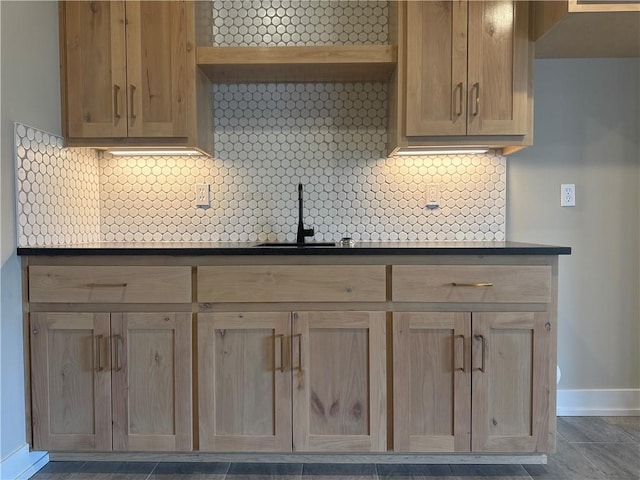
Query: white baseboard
{"type": "Point", "coordinates": [606, 402]}
{"type": "Point", "coordinates": [21, 463]}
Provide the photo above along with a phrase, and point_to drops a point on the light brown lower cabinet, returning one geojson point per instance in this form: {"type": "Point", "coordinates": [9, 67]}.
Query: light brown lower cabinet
{"type": "Point", "coordinates": [119, 381]}
{"type": "Point", "coordinates": [281, 381]}
{"type": "Point", "coordinates": [274, 380]}
{"type": "Point", "coordinates": [471, 382]}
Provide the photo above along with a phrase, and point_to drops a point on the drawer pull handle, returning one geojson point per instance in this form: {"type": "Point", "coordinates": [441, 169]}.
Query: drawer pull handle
{"type": "Point", "coordinates": [99, 367]}
{"type": "Point", "coordinates": [480, 284]}
{"type": "Point", "coordinates": [464, 354]}
{"type": "Point", "coordinates": [281, 367]}
{"type": "Point", "coordinates": [299, 367]}
{"type": "Point", "coordinates": [106, 285]}
{"type": "Point", "coordinates": [118, 339]}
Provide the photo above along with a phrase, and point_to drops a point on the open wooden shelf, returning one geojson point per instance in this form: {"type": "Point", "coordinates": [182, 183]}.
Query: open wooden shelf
{"type": "Point", "coordinates": [330, 63]}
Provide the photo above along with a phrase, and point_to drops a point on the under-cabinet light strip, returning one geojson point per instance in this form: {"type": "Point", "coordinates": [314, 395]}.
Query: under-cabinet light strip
{"type": "Point", "coordinates": [154, 152]}
{"type": "Point", "coordinates": [440, 151]}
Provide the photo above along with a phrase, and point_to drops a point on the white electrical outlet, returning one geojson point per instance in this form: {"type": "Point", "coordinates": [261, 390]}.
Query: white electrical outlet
{"type": "Point", "coordinates": [202, 195]}
{"type": "Point", "coordinates": [567, 195]}
{"type": "Point", "coordinates": [433, 196]}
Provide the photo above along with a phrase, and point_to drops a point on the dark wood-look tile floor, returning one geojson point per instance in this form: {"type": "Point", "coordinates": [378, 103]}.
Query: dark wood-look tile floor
{"type": "Point", "coordinates": [589, 448]}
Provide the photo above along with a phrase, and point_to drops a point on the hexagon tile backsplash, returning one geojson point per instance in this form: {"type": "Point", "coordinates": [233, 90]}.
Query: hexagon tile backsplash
{"type": "Point", "coordinates": [57, 190]}
{"type": "Point", "coordinates": [268, 137]}
{"type": "Point", "coordinates": [295, 22]}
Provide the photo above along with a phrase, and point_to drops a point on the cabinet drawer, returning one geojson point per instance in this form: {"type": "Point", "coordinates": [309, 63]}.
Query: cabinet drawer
{"type": "Point", "coordinates": [292, 283]}
{"type": "Point", "coordinates": [109, 284]}
{"type": "Point", "coordinates": [471, 283]}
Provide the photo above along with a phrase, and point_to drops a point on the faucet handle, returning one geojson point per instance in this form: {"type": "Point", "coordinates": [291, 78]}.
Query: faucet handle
{"type": "Point", "coordinates": [308, 232]}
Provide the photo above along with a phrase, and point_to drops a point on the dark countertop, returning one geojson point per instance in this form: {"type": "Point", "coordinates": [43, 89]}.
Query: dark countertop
{"type": "Point", "coordinates": [250, 248]}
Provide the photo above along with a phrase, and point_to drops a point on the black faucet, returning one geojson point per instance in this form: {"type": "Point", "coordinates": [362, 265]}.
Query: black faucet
{"type": "Point", "coordinates": [302, 232]}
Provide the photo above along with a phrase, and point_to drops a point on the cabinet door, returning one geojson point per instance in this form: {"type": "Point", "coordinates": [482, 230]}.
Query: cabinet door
{"type": "Point", "coordinates": [498, 68]}
{"type": "Point", "coordinates": [244, 381]}
{"type": "Point", "coordinates": [152, 381]}
{"type": "Point", "coordinates": [510, 377]}
{"type": "Point", "coordinates": [95, 73]}
{"type": "Point", "coordinates": [436, 77]}
{"type": "Point", "coordinates": [71, 381]}
{"type": "Point", "coordinates": [432, 382]}
{"type": "Point", "coordinates": [157, 68]}
{"type": "Point", "coordinates": [339, 381]}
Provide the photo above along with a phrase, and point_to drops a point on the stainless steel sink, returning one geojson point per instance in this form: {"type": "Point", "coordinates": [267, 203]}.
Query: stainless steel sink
{"type": "Point", "coordinates": [294, 244]}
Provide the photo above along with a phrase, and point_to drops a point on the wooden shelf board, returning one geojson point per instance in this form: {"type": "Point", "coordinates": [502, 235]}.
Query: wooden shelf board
{"type": "Point", "coordinates": [333, 63]}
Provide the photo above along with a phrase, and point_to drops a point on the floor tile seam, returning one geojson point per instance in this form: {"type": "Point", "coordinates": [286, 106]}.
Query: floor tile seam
{"type": "Point", "coordinates": [232, 476]}
{"type": "Point", "coordinates": [589, 461]}
{"type": "Point", "coordinates": [613, 428]}
{"type": "Point", "coordinates": [599, 474]}
{"type": "Point", "coordinates": [226, 472]}
{"type": "Point", "coordinates": [152, 470]}
{"type": "Point", "coordinates": [548, 476]}
{"type": "Point", "coordinates": [605, 443]}
{"type": "Point", "coordinates": [593, 464]}
{"type": "Point", "coordinates": [448, 465]}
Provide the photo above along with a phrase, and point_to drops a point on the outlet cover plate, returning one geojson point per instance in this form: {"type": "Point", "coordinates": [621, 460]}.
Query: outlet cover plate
{"type": "Point", "coordinates": [433, 195]}
{"type": "Point", "coordinates": [202, 195]}
{"type": "Point", "coordinates": [568, 195]}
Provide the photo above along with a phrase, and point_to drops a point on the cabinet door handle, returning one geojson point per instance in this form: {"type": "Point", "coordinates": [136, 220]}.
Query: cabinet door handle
{"type": "Point", "coordinates": [476, 110]}
{"type": "Point", "coordinates": [464, 353]}
{"type": "Point", "coordinates": [299, 367]}
{"type": "Point", "coordinates": [116, 351]}
{"type": "Point", "coordinates": [132, 105]}
{"type": "Point", "coordinates": [479, 284]}
{"type": "Point", "coordinates": [281, 367]}
{"type": "Point", "coordinates": [116, 102]}
{"type": "Point", "coordinates": [459, 88]}
{"type": "Point", "coordinates": [98, 340]}
{"type": "Point", "coordinates": [482, 345]}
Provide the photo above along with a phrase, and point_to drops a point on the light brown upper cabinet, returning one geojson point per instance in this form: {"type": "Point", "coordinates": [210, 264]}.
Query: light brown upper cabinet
{"type": "Point", "coordinates": [129, 76]}
{"type": "Point", "coordinates": [464, 75]}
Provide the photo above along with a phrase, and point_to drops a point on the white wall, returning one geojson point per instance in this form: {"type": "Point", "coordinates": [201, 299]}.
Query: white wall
{"type": "Point", "coordinates": [31, 94]}
{"type": "Point", "coordinates": [587, 128]}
